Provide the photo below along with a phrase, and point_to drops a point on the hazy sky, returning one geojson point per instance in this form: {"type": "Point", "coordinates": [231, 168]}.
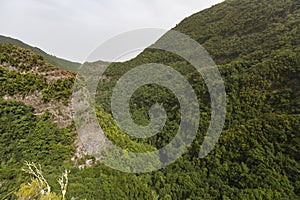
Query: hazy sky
{"type": "Point", "coordinates": [71, 29]}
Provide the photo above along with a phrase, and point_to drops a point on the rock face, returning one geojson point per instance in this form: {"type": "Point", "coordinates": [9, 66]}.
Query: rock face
{"type": "Point", "coordinates": [92, 138]}
{"type": "Point", "coordinates": [50, 89]}
{"type": "Point", "coordinates": [60, 113]}
{"type": "Point", "coordinates": [20, 63]}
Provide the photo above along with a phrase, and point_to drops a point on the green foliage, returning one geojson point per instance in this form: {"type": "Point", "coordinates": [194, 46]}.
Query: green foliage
{"type": "Point", "coordinates": [63, 64]}
{"type": "Point", "coordinates": [28, 75]}
{"type": "Point", "coordinates": [256, 46]}
{"type": "Point", "coordinates": [12, 83]}
{"type": "Point", "coordinates": [22, 133]}
{"type": "Point", "coordinates": [60, 90]}
{"type": "Point", "coordinates": [24, 136]}
{"type": "Point", "coordinates": [32, 191]}
{"type": "Point", "coordinates": [115, 134]}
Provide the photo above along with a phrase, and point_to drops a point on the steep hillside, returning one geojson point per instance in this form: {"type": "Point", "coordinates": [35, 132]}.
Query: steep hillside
{"type": "Point", "coordinates": [35, 114]}
{"type": "Point", "coordinates": [62, 63]}
{"type": "Point", "coordinates": [27, 77]}
{"type": "Point", "coordinates": [256, 45]}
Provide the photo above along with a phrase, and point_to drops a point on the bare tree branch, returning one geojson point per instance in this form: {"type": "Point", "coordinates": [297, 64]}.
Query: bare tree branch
{"type": "Point", "coordinates": [37, 173]}
{"type": "Point", "coordinates": [63, 182]}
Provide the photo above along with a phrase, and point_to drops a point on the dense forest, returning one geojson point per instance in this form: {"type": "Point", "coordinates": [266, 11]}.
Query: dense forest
{"type": "Point", "coordinates": [256, 45]}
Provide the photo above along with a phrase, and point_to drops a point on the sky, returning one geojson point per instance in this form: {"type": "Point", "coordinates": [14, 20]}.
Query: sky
{"type": "Point", "coordinates": [72, 29]}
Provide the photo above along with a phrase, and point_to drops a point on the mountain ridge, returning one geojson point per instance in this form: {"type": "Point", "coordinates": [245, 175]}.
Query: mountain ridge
{"type": "Point", "coordinates": [256, 45]}
{"type": "Point", "coordinates": [60, 62]}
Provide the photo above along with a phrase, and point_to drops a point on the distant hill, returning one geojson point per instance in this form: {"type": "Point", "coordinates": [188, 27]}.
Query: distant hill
{"type": "Point", "coordinates": [256, 46]}
{"type": "Point", "coordinates": [59, 62]}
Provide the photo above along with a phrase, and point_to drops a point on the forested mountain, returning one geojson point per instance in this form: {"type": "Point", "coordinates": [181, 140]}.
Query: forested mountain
{"type": "Point", "coordinates": [256, 45]}
{"type": "Point", "coordinates": [62, 63]}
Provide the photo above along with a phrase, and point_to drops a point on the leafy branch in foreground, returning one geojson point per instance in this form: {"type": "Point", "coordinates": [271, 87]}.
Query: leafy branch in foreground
{"type": "Point", "coordinates": [38, 174]}
{"type": "Point", "coordinates": [39, 187]}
